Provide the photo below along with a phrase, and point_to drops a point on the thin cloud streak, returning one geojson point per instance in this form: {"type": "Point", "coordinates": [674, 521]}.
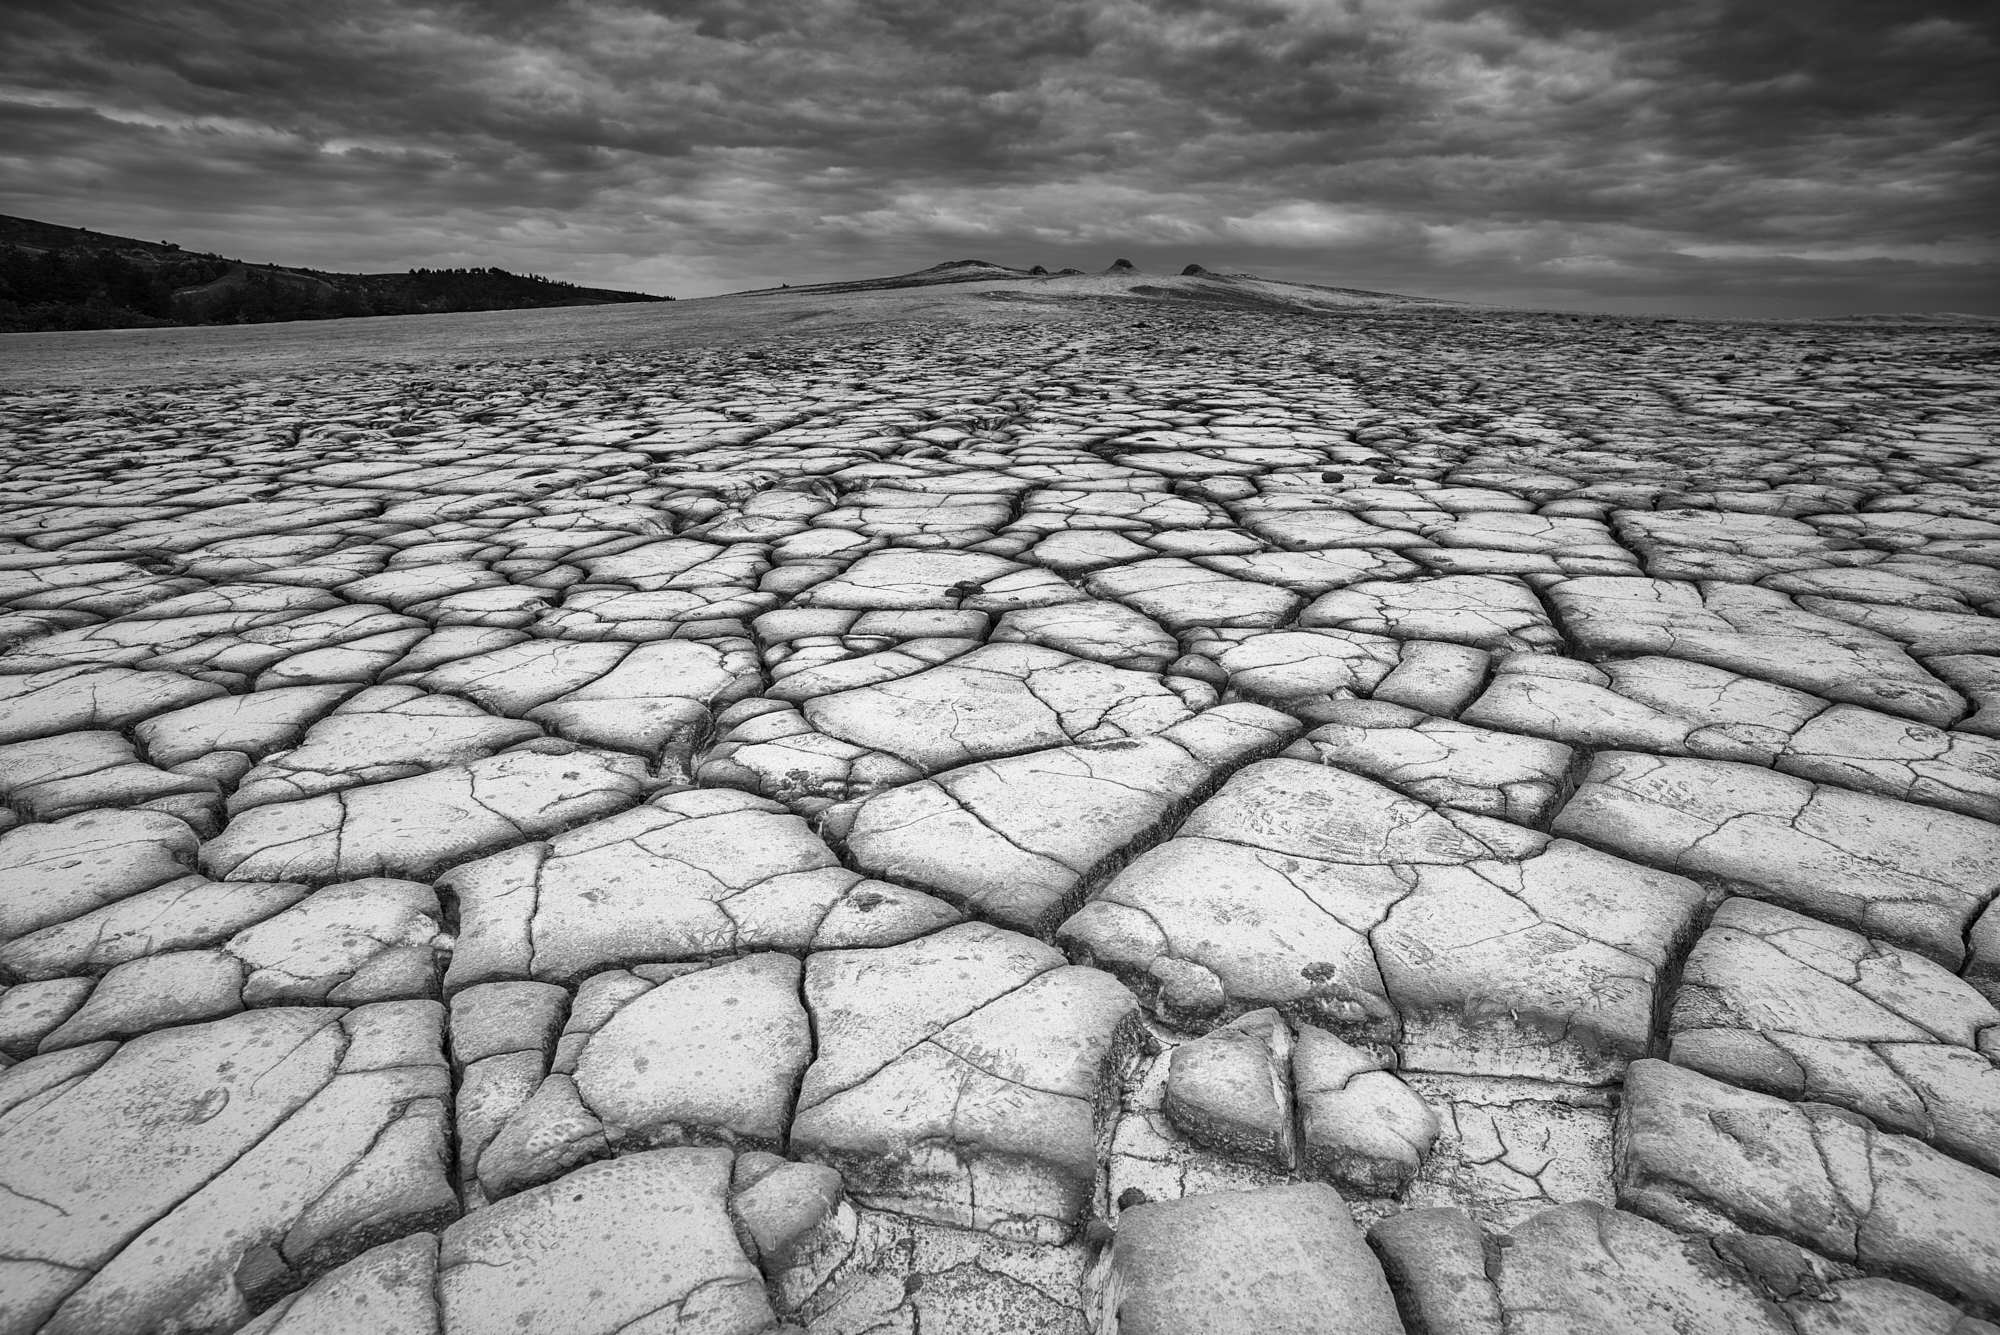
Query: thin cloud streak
{"type": "Point", "coordinates": [1707, 157]}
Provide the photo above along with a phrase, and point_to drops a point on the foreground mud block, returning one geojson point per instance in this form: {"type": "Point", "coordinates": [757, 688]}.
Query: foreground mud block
{"type": "Point", "coordinates": [1016, 840]}
{"type": "Point", "coordinates": [1758, 632]}
{"type": "Point", "coordinates": [1440, 761]}
{"type": "Point", "coordinates": [1704, 1157]}
{"type": "Point", "coordinates": [1283, 1260]}
{"type": "Point", "coordinates": [1585, 1268]}
{"type": "Point", "coordinates": [391, 1289]}
{"type": "Point", "coordinates": [964, 1078]}
{"type": "Point", "coordinates": [672, 1055]}
{"type": "Point", "coordinates": [419, 826]}
{"type": "Point", "coordinates": [646, 1243]}
{"type": "Point", "coordinates": [688, 876]}
{"type": "Point", "coordinates": [65, 699]}
{"type": "Point", "coordinates": [646, 1238]}
{"type": "Point", "coordinates": [1910, 876]}
{"type": "Point", "coordinates": [714, 1053]}
{"type": "Point", "coordinates": [1778, 1002]}
{"type": "Point", "coordinates": [189, 1176]}
{"type": "Point", "coordinates": [53, 872]}
{"type": "Point", "coordinates": [1677, 708]}
{"type": "Point", "coordinates": [1476, 944]}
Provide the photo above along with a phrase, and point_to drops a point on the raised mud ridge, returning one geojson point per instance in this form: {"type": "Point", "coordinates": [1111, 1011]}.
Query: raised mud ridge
{"type": "Point", "coordinates": [1174, 818]}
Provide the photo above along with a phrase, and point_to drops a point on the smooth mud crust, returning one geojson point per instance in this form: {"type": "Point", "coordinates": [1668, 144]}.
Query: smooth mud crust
{"type": "Point", "coordinates": [999, 802]}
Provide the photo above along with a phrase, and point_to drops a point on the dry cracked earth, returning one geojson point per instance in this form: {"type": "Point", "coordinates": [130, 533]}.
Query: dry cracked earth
{"type": "Point", "coordinates": [1193, 822]}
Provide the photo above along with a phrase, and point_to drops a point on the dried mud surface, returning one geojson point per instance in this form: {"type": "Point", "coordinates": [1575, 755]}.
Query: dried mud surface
{"type": "Point", "coordinates": [935, 813]}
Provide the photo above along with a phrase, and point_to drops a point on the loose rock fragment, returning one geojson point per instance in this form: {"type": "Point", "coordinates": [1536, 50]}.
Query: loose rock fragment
{"type": "Point", "coordinates": [1359, 1126]}
{"type": "Point", "coordinates": [1231, 1090]}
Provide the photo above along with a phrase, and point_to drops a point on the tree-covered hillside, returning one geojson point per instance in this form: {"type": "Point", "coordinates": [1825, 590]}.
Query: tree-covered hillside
{"type": "Point", "coordinates": [54, 277]}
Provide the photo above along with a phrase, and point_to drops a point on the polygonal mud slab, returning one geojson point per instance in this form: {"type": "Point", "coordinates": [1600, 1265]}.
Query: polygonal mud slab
{"type": "Point", "coordinates": [964, 1078]}
{"type": "Point", "coordinates": [1484, 947]}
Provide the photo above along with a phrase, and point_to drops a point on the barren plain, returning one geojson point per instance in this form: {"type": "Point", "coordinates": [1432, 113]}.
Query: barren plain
{"type": "Point", "coordinates": [1073, 810]}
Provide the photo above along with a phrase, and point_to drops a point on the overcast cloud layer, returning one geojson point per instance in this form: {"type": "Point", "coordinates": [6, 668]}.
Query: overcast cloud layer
{"type": "Point", "coordinates": [1721, 156]}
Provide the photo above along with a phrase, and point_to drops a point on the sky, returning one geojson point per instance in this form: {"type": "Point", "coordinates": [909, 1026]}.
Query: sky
{"type": "Point", "coordinates": [1688, 157]}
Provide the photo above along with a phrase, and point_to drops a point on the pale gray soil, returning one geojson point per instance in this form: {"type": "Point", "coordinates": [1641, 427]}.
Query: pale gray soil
{"type": "Point", "coordinates": [941, 812]}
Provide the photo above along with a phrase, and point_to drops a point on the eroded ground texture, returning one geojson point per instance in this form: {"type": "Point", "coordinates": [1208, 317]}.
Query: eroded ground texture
{"type": "Point", "coordinates": [1167, 823]}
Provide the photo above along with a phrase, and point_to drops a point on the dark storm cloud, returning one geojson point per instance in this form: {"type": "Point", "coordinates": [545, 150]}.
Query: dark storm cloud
{"type": "Point", "coordinates": [1706, 155]}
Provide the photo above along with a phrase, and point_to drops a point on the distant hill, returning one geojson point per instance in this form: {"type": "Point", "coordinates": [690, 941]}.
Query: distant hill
{"type": "Point", "coordinates": [1122, 279]}
{"type": "Point", "coordinates": [55, 277]}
